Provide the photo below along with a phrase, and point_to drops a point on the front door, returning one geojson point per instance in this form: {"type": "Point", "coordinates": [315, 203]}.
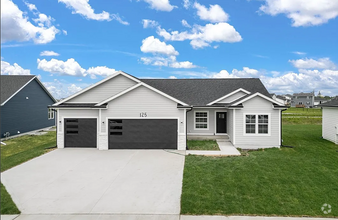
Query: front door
{"type": "Point", "coordinates": [221, 122]}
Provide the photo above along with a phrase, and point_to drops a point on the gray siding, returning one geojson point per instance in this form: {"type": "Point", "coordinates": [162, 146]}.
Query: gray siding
{"type": "Point", "coordinates": [232, 97]}
{"type": "Point", "coordinates": [104, 91]}
{"type": "Point", "coordinates": [308, 101]}
{"type": "Point", "coordinates": [211, 121]}
{"type": "Point", "coordinates": [330, 124]}
{"type": "Point", "coordinates": [260, 106]}
{"type": "Point", "coordinates": [23, 115]}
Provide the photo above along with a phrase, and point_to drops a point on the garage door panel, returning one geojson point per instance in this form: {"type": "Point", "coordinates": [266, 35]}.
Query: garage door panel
{"type": "Point", "coordinates": [80, 132]}
{"type": "Point", "coordinates": [143, 134]}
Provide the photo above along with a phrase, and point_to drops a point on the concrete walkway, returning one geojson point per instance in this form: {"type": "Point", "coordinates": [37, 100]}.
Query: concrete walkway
{"type": "Point", "coordinates": [149, 217]}
{"type": "Point", "coordinates": [225, 146]}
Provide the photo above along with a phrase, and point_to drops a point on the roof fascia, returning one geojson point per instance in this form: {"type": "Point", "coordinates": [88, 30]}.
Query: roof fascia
{"type": "Point", "coordinates": [254, 95]}
{"type": "Point", "coordinates": [230, 94]}
{"type": "Point", "coordinates": [18, 91]}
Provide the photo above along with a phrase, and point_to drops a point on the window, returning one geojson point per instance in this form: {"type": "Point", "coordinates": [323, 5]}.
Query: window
{"type": "Point", "coordinates": [257, 124]}
{"type": "Point", "coordinates": [201, 120]}
{"type": "Point", "coordinates": [300, 103]}
{"type": "Point", "coordinates": [50, 114]}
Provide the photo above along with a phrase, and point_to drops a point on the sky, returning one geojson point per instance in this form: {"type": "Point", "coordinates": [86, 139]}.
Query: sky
{"type": "Point", "coordinates": [291, 45]}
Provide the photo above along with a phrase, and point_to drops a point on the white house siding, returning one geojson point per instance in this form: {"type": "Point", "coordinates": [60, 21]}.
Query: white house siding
{"type": "Point", "coordinates": [143, 100]}
{"type": "Point", "coordinates": [104, 91]}
{"type": "Point", "coordinates": [330, 124]}
{"type": "Point", "coordinates": [233, 97]}
{"type": "Point", "coordinates": [230, 124]}
{"type": "Point", "coordinates": [73, 113]}
{"type": "Point", "coordinates": [257, 105]}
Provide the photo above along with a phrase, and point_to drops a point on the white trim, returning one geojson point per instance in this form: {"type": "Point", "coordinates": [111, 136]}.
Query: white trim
{"type": "Point", "coordinates": [196, 129]}
{"type": "Point", "coordinates": [230, 94]}
{"type": "Point", "coordinates": [96, 84]}
{"type": "Point", "coordinates": [66, 108]}
{"type": "Point", "coordinates": [201, 134]}
{"type": "Point", "coordinates": [49, 113]}
{"type": "Point", "coordinates": [136, 86]}
{"type": "Point", "coordinates": [100, 119]}
{"type": "Point", "coordinates": [216, 122]}
{"type": "Point", "coordinates": [256, 124]}
{"type": "Point", "coordinates": [279, 130]}
{"type": "Point", "coordinates": [18, 91]}
{"type": "Point", "coordinates": [234, 127]}
{"type": "Point", "coordinates": [185, 121]}
{"type": "Point", "coordinates": [254, 95]}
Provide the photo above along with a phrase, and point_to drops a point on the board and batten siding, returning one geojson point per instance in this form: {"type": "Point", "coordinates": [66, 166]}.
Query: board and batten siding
{"type": "Point", "coordinates": [104, 91]}
{"type": "Point", "coordinates": [73, 113]}
{"type": "Point", "coordinates": [330, 124]}
{"type": "Point", "coordinates": [233, 97]}
{"type": "Point", "coordinates": [257, 105]}
{"type": "Point", "coordinates": [26, 111]}
{"type": "Point", "coordinates": [144, 101]}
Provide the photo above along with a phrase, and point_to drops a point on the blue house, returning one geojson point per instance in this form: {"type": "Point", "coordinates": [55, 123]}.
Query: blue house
{"type": "Point", "coordinates": [24, 102]}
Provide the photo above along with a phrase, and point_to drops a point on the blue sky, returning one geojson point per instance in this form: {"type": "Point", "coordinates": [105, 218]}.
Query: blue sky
{"type": "Point", "coordinates": [291, 46]}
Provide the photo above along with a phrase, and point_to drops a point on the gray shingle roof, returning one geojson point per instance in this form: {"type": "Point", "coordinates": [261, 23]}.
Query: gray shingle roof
{"type": "Point", "coordinates": [11, 84]}
{"type": "Point", "coordinates": [200, 92]}
{"type": "Point", "coordinates": [332, 103]}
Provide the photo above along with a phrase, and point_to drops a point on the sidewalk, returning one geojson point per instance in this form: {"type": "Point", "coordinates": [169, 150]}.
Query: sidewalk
{"type": "Point", "coordinates": [226, 149]}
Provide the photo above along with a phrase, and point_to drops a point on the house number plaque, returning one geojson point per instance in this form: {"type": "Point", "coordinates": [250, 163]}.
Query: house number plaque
{"type": "Point", "coordinates": [143, 114]}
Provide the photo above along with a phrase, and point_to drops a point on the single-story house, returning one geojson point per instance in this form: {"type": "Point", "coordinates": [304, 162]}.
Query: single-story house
{"type": "Point", "coordinates": [320, 100]}
{"type": "Point", "coordinates": [24, 102]}
{"type": "Point", "coordinates": [330, 120]}
{"type": "Point", "coordinates": [124, 112]}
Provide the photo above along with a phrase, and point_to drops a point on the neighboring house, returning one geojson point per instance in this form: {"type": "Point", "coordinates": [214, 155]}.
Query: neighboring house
{"type": "Point", "coordinates": [24, 102]}
{"type": "Point", "coordinates": [320, 100]}
{"type": "Point", "coordinates": [279, 98]}
{"type": "Point", "coordinates": [306, 100]}
{"type": "Point", "coordinates": [330, 120]}
{"type": "Point", "coordinates": [124, 112]}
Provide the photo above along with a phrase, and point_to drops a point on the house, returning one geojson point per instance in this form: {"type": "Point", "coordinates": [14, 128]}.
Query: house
{"type": "Point", "coordinates": [330, 120]}
{"type": "Point", "coordinates": [320, 100]}
{"type": "Point", "coordinates": [124, 112]}
{"type": "Point", "coordinates": [303, 100]}
{"type": "Point", "coordinates": [24, 102]}
{"type": "Point", "coordinates": [279, 98]}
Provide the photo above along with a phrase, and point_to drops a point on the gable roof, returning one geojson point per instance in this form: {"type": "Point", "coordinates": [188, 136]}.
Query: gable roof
{"type": "Point", "coordinates": [332, 103]}
{"type": "Point", "coordinates": [200, 92]}
{"type": "Point", "coordinates": [303, 94]}
{"type": "Point", "coordinates": [12, 84]}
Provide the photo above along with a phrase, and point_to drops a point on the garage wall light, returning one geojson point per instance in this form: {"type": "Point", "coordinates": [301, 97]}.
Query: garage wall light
{"type": "Point", "coordinates": [103, 122]}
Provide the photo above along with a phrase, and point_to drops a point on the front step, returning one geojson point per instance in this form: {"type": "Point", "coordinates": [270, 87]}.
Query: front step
{"type": "Point", "coordinates": [223, 140]}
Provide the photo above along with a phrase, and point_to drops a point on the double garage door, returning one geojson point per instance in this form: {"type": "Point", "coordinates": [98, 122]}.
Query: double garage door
{"type": "Point", "coordinates": [124, 133]}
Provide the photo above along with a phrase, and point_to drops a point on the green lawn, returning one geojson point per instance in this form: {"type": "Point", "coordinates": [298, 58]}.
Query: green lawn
{"type": "Point", "coordinates": [17, 151]}
{"type": "Point", "coordinates": [302, 116]}
{"type": "Point", "coordinates": [286, 182]}
{"type": "Point", "coordinates": [202, 145]}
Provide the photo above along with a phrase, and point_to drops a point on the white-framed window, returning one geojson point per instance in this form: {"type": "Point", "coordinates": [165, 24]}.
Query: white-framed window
{"type": "Point", "coordinates": [257, 124]}
{"type": "Point", "coordinates": [50, 114]}
{"type": "Point", "coordinates": [201, 120]}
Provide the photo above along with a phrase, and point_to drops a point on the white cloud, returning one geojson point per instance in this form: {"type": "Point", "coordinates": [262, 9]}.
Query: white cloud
{"type": "Point", "coordinates": [62, 89]}
{"type": "Point", "coordinates": [172, 77]}
{"type": "Point", "coordinates": [245, 73]}
{"type": "Point", "coordinates": [83, 8]}
{"type": "Point", "coordinates": [49, 53]}
{"type": "Point", "coordinates": [299, 53]}
{"type": "Point", "coordinates": [147, 23]}
{"type": "Point", "coordinates": [202, 36]}
{"type": "Point", "coordinates": [214, 14]}
{"type": "Point", "coordinates": [16, 27]}
{"type": "Point", "coordinates": [64, 32]}
{"type": "Point", "coordinates": [15, 69]}
{"type": "Point", "coordinates": [322, 63]}
{"type": "Point", "coordinates": [30, 6]}
{"type": "Point", "coordinates": [160, 5]}
{"type": "Point", "coordinates": [73, 68]}
{"type": "Point", "coordinates": [155, 46]}
{"type": "Point", "coordinates": [185, 23]}
{"type": "Point", "coordinates": [167, 62]}
{"type": "Point", "coordinates": [186, 4]}
{"type": "Point", "coordinates": [184, 64]}
{"type": "Point", "coordinates": [303, 12]}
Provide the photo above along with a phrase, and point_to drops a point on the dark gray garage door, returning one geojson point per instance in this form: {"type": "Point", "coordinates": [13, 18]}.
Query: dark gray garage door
{"type": "Point", "coordinates": [80, 132]}
{"type": "Point", "coordinates": [142, 134]}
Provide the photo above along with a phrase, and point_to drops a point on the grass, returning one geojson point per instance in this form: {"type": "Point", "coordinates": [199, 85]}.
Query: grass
{"type": "Point", "coordinates": [17, 151]}
{"type": "Point", "coordinates": [285, 182]}
{"type": "Point", "coordinates": [202, 145]}
{"type": "Point", "coordinates": [293, 116]}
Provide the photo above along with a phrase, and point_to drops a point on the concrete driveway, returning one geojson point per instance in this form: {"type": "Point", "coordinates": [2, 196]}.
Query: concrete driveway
{"type": "Point", "coordinates": [83, 181]}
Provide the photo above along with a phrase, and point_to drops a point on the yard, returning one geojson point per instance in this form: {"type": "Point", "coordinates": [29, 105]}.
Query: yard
{"type": "Point", "coordinates": [286, 182]}
{"type": "Point", "coordinates": [302, 116]}
{"type": "Point", "coordinates": [202, 145]}
{"type": "Point", "coordinates": [17, 151]}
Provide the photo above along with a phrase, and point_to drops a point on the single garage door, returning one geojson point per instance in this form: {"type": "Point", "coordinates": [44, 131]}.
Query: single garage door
{"type": "Point", "coordinates": [80, 132]}
{"type": "Point", "coordinates": [142, 134]}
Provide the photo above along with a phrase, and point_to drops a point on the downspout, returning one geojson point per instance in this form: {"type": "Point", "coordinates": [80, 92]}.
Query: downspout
{"type": "Point", "coordinates": [186, 128]}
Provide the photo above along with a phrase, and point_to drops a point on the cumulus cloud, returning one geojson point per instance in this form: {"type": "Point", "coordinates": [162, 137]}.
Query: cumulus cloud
{"type": "Point", "coordinates": [73, 68]}
{"type": "Point", "coordinates": [202, 36]}
{"type": "Point", "coordinates": [15, 69]}
{"type": "Point", "coordinates": [302, 12]}
{"type": "Point", "coordinates": [147, 23]}
{"type": "Point", "coordinates": [245, 73]}
{"type": "Point", "coordinates": [83, 8]}
{"type": "Point", "coordinates": [322, 63]}
{"type": "Point", "coordinates": [49, 53]}
{"type": "Point", "coordinates": [185, 23]}
{"type": "Point", "coordinates": [172, 77]}
{"type": "Point", "coordinates": [62, 89]}
{"type": "Point", "coordinates": [167, 62]}
{"type": "Point", "coordinates": [186, 4]}
{"type": "Point", "coordinates": [214, 14]}
{"type": "Point", "coordinates": [15, 25]}
{"type": "Point", "coordinates": [155, 46]}
{"type": "Point", "coordinates": [30, 6]}
{"type": "Point", "coordinates": [160, 5]}
{"type": "Point", "coordinates": [184, 64]}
